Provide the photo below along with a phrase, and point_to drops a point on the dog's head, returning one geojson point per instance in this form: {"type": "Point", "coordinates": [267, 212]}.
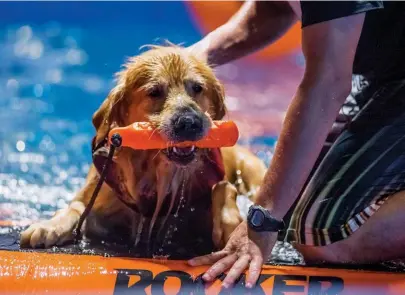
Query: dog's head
{"type": "Point", "coordinates": [171, 88]}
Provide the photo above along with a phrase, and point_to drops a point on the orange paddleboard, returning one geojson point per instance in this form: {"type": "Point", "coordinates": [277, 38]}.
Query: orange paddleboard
{"type": "Point", "coordinates": [44, 273]}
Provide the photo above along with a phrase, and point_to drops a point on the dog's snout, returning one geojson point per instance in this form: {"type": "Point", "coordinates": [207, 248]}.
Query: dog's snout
{"type": "Point", "coordinates": [187, 123]}
{"type": "Point", "coordinates": [188, 126]}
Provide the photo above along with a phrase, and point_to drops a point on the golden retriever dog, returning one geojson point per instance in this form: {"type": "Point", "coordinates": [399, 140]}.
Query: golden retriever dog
{"type": "Point", "coordinates": [168, 199]}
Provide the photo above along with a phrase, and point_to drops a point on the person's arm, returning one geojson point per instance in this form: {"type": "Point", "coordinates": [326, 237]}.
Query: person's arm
{"type": "Point", "coordinates": [255, 25]}
{"type": "Point", "coordinates": [331, 31]}
{"type": "Point", "coordinates": [329, 49]}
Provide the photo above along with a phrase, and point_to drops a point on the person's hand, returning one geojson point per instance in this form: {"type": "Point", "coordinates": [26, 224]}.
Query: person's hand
{"type": "Point", "coordinates": [245, 249]}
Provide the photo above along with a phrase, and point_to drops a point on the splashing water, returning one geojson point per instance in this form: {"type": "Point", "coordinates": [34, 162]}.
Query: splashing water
{"type": "Point", "coordinates": [173, 224]}
{"type": "Point", "coordinates": [139, 230]}
{"type": "Point", "coordinates": [182, 199]}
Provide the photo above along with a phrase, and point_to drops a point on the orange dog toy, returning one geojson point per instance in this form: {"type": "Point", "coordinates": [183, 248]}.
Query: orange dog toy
{"type": "Point", "coordinates": [142, 136]}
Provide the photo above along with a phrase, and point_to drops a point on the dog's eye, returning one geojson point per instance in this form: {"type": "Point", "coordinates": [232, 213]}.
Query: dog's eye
{"type": "Point", "coordinates": [197, 88]}
{"type": "Point", "coordinates": [156, 92]}
{"type": "Point", "coordinates": [193, 87]}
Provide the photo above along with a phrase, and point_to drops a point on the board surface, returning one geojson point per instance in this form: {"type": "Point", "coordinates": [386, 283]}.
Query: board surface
{"type": "Point", "coordinates": [91, 269]}
{"type": "Point", "coordinates": [45, 273]}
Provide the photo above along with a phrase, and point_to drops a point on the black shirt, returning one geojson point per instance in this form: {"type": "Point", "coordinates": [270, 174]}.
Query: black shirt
{"type": "Point", "coordinates": [381, 50]}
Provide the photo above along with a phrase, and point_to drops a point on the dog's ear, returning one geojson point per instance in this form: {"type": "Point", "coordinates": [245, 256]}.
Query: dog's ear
{"type": "Point", "coordinates": [99, 115]}
{"type": "Point", "coordinates": [112, 111]}
{"type": "Point", "coordinates": [218, 100]}
{"type": "Point", "coordinates": [107, 116]}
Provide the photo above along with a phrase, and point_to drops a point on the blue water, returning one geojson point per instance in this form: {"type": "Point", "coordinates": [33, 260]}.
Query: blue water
{"type": "Point", "coordinates": [57, 61]}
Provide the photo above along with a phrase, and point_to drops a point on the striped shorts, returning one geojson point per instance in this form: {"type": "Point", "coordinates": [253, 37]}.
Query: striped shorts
{"type": "Point", "coordinates": [363, 168]}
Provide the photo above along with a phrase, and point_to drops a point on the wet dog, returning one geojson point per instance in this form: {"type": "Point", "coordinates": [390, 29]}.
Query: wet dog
{"type": "Point", "coordinates": [174, 196]}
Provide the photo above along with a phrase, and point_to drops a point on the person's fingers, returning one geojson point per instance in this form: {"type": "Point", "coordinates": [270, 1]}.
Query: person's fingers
{"type": "Point", "coordinates": [254, 271]}
{"type": "Point", "coordinates": [219, 267]}
{"type": "Point", "coordinates": [237, 269]}
{"type": "Point", "coordinates": [207, 259]}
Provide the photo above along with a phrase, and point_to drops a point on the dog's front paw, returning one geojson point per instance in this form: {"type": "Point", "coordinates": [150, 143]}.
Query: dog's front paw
{"type": "Point", "coordinates": [46, 234]}
{"type": "Point", "coordinates": [223, 230]}
{"type": "Point", "coordinates": [217, 237]}
{"type": "Point", "coordinates": [225, 212]}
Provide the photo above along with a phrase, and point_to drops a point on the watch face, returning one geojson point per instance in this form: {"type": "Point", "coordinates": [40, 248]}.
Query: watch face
{"type": "Point", "coordinates": [257, 218]}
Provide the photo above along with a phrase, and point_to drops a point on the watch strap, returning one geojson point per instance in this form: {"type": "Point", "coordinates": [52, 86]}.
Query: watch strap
{"type": "Point", "coordinates": [270, 224]}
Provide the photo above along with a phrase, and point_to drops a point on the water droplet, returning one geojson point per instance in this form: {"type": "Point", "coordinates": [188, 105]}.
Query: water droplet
{"type": "Point", "coordinates": [20, 146]}
{"type": "Point", "coordinates": [38, 90]}
{"type": "Point", "coordinates": [12, 84]}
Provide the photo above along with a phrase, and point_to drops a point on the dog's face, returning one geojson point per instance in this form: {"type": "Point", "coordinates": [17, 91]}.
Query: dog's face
{"type": "Point", "coordinates": [170, 88]}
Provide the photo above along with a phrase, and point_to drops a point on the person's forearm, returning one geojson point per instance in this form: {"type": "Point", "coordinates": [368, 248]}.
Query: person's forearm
{"type": "Point", "coordinates": [306, 125]}
{"type": "Point", "coordinates": [255, 25]}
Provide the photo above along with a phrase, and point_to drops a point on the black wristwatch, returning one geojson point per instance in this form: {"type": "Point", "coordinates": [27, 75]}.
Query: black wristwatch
{"type": "Point", "coordinates": [260, 219]}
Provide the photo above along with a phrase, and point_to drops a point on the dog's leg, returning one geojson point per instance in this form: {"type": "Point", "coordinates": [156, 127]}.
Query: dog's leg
{"type": "Point", "coordinates": [59, 229]}
{"type": "Point", "coordinates": [55, 231]}
{"type": "Point", "coordinates": [245, 169]}
{"type": "Point", "coordinates": [225, 212]}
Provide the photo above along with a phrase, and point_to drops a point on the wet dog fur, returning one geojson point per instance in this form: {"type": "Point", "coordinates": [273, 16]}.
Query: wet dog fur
{"type": "Point", "coordinates": [180, 95]}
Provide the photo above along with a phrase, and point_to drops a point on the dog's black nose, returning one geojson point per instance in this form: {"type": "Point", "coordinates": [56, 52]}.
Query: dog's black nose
{"type": "Point", "coordinates": [186, 123]}
{"type": "Point", "coordinates": [188, 127]}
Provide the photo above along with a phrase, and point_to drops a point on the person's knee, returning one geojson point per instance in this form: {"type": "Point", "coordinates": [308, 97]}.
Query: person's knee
{"type": "Point", "coordinates": [332, 253]}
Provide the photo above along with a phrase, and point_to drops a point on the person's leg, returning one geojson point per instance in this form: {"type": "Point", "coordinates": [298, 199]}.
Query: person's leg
{"type": "Point", "coordinates": [354, 102]}
{"type": "Point", "coordinates": [381, 238]}
{"type": "Point", "coordinates": [351, 209]}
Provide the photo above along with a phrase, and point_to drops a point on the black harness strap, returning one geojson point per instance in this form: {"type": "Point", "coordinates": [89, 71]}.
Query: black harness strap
{"type": "Point", "coordinates": [100, 154]}
{"type": "Point", "coordinates": [116, 142]}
